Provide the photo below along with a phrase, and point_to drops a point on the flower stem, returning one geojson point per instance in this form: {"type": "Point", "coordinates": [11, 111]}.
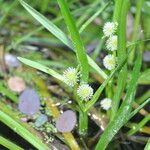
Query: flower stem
{"type": "Point", "coordinates": [83, 122]}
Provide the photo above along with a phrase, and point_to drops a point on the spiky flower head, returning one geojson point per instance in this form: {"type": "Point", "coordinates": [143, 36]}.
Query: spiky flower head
{"type": "Point", "coordinates": [111, 43]}
{"type": "Point", "coordinates": [109, 62]}
{"type": "Point", "coordinates": [106, 103]}
{"type": "Point", "coordinates": [70, 76]}
{"type": "Point", "coordinates": [109, 28]}
{"type": "Point", "coordinates": [85, 92]}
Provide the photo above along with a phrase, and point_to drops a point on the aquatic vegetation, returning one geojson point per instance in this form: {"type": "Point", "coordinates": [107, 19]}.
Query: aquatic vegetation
{"type": "Point", "coordinates": [80, 83]}
{"type": "Point", "coordinates": [29, 102]}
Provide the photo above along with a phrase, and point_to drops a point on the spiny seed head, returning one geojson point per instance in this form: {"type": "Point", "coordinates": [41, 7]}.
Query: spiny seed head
{"type": "Point", "coordinates": [110, 28]}
{"type": "Point", "coordinates": [85, 92]}
{"type": "Point", "coordinates": [106, 103]}
{"type": "Point", "coordinates": [70, 76]}
{"type": "Point", "coordinates": [109, 62]}
{"type": "Point", "coordinates": [111, 43]}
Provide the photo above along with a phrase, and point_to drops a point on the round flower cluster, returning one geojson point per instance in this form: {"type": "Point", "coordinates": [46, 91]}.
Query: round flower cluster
{"type": "Point", "coordinates": [106, 103]}
{"type": "Point", "coordinates": [71, 77]}
{"type": "Point", "coordinates": [85, 92]}
{"type": "Point", "coordinates": [109, 30]}
{"type": "Point", "coordinates": [109, 62]}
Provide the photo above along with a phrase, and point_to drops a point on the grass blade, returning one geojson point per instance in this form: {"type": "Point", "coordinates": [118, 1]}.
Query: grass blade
{"type": "Point", "coordinates": [124, 112]}
{"type": "Point", "coordinates": [8, 144]}
{"type": "Point", "coordinates": [41, 68]}
{"type": "Point", "coordinates": [101, 88]}
{"type": "Point", "coordinates": [47, 24]}
{"type": "Point", "coordinates": [139, 108]}
{"type": "Point", "coordinates": [52, 28]}
{"type": "Point", "coordinates": [76, 40]}
{"type": "Point", "coordinates": [121, 53]}
{"type": "Point", "coordinates": [93, 17]}
{"type": "Point", "coordinates": [147, 147]}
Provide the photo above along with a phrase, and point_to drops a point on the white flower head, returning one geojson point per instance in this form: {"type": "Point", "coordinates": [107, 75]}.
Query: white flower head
{"type": "Point", "coordinates": [85, 92]}
{"type": "Point", "coordinates": [106, 103]}
{"type": "Point", "coordinates": [109, 62]}
{"type": "Point", "coordinates": [70, 76]}
{"type": "Point", "coordinates": [111, 43]}
{"type": "Point", "coordinates": [110, 28]}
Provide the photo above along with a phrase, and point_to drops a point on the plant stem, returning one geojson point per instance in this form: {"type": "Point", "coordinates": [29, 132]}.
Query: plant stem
{"type": "Point", "coordinates": [136, 28]}
{"type": "Point", "coordinates": [76, 40]}
{"type": "Point", "coordinates": [147, 147]}
{"type": "Point", "coordinates": [83, 122]}
{"type": "Point", "coordinates": [139, 125]}
{"type": "Point", "coordinates": [123, 114]}
{"type": "Point", "coordinates": [121, 53]}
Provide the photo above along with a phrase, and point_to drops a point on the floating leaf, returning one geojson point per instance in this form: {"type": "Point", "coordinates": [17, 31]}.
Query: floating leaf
{"type": "Point", "coordinates": [29, 102]}
{"type": "Point", "coordinates": [66, 121]}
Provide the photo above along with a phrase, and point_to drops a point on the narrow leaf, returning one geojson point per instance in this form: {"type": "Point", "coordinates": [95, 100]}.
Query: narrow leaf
{"type": "Point", "coordinates": [52, 28]}
{"type": "Point", "coordinates": [8, 144]}
{"type": "Point", "coordinates": [124, 112]}
{"type": "Point", "coordinates": [41, 68]}
{"type": "Point", "coordinates": [76, 40]}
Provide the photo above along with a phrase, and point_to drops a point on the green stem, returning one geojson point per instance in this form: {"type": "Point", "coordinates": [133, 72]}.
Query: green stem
{"type": "Point", "coordinates": [8, 144]}
{"type": "Point", "coordinates": [118, 6]}
{"type": "Point", "coordinates": [121, 53]}
{"type": "Point", "coordinates": [83, 122]}
{"type": "Point", "coordinates": [136, 28]}
{"type": "Point", "coordinates": [76, 39]}
{"type": "Point", "coordinates": [139, 125]}
{"type": "Point", "coordinates": [93, 17]}
{"type": "Point", "coordinates": [147, 147]}
{"type": "Point", "coordinates": [122, 115]}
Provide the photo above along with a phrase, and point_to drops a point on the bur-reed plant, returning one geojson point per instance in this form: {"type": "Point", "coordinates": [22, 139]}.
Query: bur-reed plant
{"type": "Point", "coordinates": [77, 79]}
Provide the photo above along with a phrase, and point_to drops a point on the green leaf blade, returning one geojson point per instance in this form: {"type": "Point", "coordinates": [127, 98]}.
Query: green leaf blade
{"type": "Point", "coordinates": [41, 68]}
{"type": "Point", "coordinates": [76, 40]}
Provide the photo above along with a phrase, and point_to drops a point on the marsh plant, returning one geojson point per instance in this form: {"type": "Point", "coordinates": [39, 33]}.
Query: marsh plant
{"type": "Point", "coordinates": [115, 99]}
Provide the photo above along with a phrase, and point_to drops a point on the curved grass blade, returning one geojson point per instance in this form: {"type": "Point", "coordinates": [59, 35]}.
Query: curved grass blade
{"type": "Point", "coordinates": [52, 28]}
{"type": "Point", "coordinates": [41, 68]}
{"type": "Point", "coordinates": [76, 40]}
{"type": "Point", "coordinates": [47, 24]}
{"type": "Point", "coordinates": [123, 114]}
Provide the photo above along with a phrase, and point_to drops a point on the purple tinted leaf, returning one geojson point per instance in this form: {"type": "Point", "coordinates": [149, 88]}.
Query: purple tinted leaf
{"type": "Point", "coordinates": [29, 102]}
{"type": "Point", "coordinates": [11, 60]}
{"type": "Point", "coordinates": [66, 121]}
